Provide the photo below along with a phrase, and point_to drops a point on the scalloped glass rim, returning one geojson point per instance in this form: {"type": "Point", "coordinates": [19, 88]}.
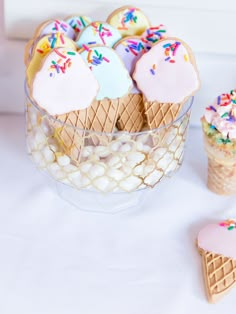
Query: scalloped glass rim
{"type": "Point", "coordinates": [44, 113]}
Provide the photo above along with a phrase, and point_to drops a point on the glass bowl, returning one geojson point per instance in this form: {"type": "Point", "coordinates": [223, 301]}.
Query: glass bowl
{"type": "Point", "coordinates": [105, 172]}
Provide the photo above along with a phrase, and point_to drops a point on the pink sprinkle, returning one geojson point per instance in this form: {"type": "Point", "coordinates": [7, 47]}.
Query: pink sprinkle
{"type": "Point", "coordinates": [105, 59]}
{"type": "Point", "coordinates": [85, 47]}
{"type": "Point", "coordinates": [222, 224]}
{"type": "Point", "coordinates": [62, 39]}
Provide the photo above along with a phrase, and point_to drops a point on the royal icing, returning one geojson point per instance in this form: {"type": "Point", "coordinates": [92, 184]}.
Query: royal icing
{"type": "Point", "coordinates": [222, 115]}
{"type": "Point", "coordinates": [107, 67]}
{"type": "Point", "coordinates": [55, 26]}
{"type": "Point", "coordinates": [155, 33]}
{"type": "Point", "coordinates": [130, 49]}
{"type": "Point", "coordinates": [98, 33]}
{"type": "Point", "coordinates": [78, 22]}
{"type": "Point", "coordinates": [165, 73]}
{"type": "Point", "coordinates": [129, 21]}
{"type": "Point", "coordinates": [43, 47]}
{"type": "Point", "coordinates": [219, 238]}
{"type": "Point", "coordinates": [64, 83]}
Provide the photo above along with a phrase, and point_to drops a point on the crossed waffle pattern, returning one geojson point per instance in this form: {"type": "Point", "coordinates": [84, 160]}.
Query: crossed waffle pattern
{"type": "Point", "coordinates": [131, 113]}
{"type": "Point", "coordinates": [221, 178]}
{"type": "Point", "coordinates": [160, 114]}
{"type": "Point", "coordinates": [69, 132]}
{"type": "Point", "coordinates": [117, 162]}
{"type": "Point", "coordinates": [220, 274]}
{"type": "Point", "coordinates": [102, 115]}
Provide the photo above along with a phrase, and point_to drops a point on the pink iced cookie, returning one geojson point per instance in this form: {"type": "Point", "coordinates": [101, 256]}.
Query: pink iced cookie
{"type": "Point", "coordinates": [217, 246]}
{"type": "Point", "coordinates": [64, 83]}
{"type": "Point", "coordinates": [219, 238]}
{"type": "Point", "coordinates": [167, 73]}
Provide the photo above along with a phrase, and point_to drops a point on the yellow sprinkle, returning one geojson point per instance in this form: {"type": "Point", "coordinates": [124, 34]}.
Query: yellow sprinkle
{"type": "Point", "coordinates": [186, 58]}
{"type": "Point", "coordinates": [154, 66]}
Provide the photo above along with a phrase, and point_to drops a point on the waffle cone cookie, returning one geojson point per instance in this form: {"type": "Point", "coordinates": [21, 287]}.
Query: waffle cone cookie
{"type": "Point", "coordinates": [60, 87]}
{"type": "Point", "coordinates": [216, 244]}
{"type": "Point", "coordinates": [104, 63]}
{"type": "Point", "coordinates": [219, 274]}
{"type": "Point", "coordinates": [167, 76]}
{"type": "Point", "coordinates": [219, 128]}
{"type": "Point", "coordinates": [130, 116]}
{"type": "Point", "coordinates": [161, 114]}
{"type": "Point", "coordinates": [69, 131]}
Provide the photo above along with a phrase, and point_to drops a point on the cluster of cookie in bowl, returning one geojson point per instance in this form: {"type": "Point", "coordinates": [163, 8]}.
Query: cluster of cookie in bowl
{"type": "Point", "coordinates": [108, 103]}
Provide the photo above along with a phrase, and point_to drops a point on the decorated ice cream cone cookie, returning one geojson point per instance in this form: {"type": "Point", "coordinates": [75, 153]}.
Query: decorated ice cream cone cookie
{"type": "Point", "coordinates": [98, 33]}
{"type": "Point", "coordinates": [43, 46]}
{"type": "Point", "coordinates": [219, 127]}
{"type": "Point", "coordinates": [61, 88]}
{"type": "Point", "coordinates": [131, 111]}
{"type": "Point", "coordinates": [78, 22]}
{"type": "Point", "coordinates": [129, 21]}
{"type": "Point", "coordinates": [114, 82]}
{"type": "Point", "coordinates": [217, 246]}
{"type": "Point", "coordinates": [167, 76]}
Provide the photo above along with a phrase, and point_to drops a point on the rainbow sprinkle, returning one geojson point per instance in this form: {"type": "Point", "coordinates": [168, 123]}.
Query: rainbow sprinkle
{"type": "Point", "coordinates": [61, 64]}
{"type": "Point", "coordinates": [170, 51]}
{"type": "Point", "coordinates": [53, 40]}
{"type": "Point", "coordinates": [78, 23]}
{"type": "Point", "coordinates": [230, 224]}
{"type": "Point", "coordinates": [224, 100]}
{"type": "Point", "coordinates": [95, 58]}
{"type": "Point", "coordinates": [101, 30]}
{"type": "Point", "coordinates": [152, 70]}
{"type": "Point", "coordinates": [154, 34]}
{"type": "Point", "coordinates": [58, 25]}
{"type": "Point", "coordinates": [129, 17]}
{"type": "Point", "coordinates": [134, 47]}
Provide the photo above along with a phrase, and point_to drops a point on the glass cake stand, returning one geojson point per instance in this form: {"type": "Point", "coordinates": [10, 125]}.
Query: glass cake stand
{"type": "Point", "coordinates": [105, 172]}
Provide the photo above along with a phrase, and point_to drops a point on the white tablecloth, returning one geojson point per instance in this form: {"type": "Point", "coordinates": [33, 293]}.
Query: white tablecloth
{"type": "Point", "coordinates": [57, 259]}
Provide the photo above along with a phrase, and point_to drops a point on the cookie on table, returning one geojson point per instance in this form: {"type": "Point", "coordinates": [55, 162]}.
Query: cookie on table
{"type": "Point", "coordinates": [217, 245]}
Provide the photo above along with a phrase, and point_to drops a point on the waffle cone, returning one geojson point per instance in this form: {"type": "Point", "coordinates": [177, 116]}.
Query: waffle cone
{"type": "Point", "coordinates": [161, 114]}
{"type": "Point", "coordinates": [102, 117]}
{"type": "Point", "coordinates": [130, 116]}
{"type": "Point", "coordinates": [69, 132]}
{"type": "Point", "coordinates": [221, 178]}
{"type": "Point", "coordinates": [219, 274]}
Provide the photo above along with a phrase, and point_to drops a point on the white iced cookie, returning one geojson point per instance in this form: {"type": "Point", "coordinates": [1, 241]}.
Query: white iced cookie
{"type": "Point", "coordinates": [109, 70]}
{"type": "Point", "coordinates": [64, 83]}
{"type": "Point", "coordinates": [167, 73]}
{"type": "Point", "coordinates": [55, 26]}
{"type": "Point", "coordinates": [129, 21]}
{"type": "Point", "coordinates": [98, 33]}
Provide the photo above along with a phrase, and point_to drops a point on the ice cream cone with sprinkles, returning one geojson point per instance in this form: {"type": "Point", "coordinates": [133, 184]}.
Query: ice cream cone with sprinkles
{"type": "Point", "coordinates": [131, 111]}
{"type": "Point", "coordinates": [114, 82]}
{"type": "Point", "coordinates": [219, 128]}
{"type": "Point", "coordinates": [60, 87]}
{"type": "Point", "coordinates": [167, 76]}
